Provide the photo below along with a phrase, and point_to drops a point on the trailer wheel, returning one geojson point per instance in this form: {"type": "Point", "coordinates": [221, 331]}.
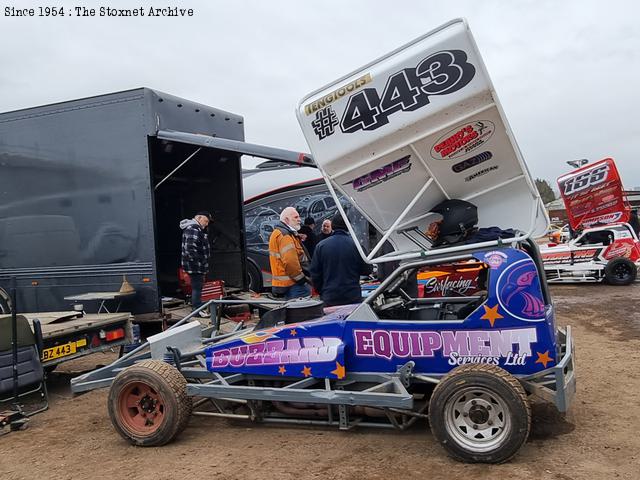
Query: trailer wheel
{"type": "Point", "coordinates": [254, 277]}
{"type": "Point", "coordinates": [148, 403]}
{"type": "Point", "coordinates": [480, 414]}
{"type": "Point", "coordinates": [620, 271]}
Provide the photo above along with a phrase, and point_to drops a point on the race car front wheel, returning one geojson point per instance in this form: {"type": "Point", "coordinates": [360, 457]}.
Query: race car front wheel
{"type": "Point", "coordinates": [480, 414]}
{"type": "Point", "coordinates": [620, 271]}
{"type": "Point", "coordinates": [148, 403]}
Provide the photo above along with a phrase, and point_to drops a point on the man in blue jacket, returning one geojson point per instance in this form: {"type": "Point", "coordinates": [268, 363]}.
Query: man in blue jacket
{"type": "Point", "coordinates": [195, 253]}
{"type": "Point", "coordinates": [336, 267]}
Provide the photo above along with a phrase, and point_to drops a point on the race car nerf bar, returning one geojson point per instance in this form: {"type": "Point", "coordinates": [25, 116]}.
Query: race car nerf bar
{"type": "Point", "coordinates": [350, 404]}
{"type": "Point", "coordinates": [388, 390]}
{"type": "Point", "coordinates": [579, 275]}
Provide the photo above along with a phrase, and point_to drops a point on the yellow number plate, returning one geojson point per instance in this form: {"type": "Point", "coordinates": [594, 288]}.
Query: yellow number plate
{"type": "Point", "coordinates": [59, 351]}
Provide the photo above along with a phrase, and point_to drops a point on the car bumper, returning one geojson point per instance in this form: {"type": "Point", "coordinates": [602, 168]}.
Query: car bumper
{"type": "Point", "coordinates": [557, 384]}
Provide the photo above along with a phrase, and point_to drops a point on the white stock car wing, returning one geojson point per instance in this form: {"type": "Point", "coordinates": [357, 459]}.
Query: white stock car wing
{"type": "Point", "coordinates": [415, 127]}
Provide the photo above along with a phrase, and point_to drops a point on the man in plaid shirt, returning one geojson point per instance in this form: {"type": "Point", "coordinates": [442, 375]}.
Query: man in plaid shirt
{"type": "Point", "coordinates": [195, 253]}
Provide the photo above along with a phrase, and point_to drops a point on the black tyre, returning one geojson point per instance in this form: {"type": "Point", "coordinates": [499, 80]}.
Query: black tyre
{"type": "Point", "coordinates": [148, 403]}
{"type": "Point", "coordinates": [254, 277]}
{"type": "Point", "coordinates": [620, 271]}
{"type": "Point", "coordinates": [480, 414]}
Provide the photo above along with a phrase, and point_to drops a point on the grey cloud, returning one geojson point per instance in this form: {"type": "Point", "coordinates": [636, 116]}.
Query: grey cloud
{"type": "Point", "coordinates": [565, 72]}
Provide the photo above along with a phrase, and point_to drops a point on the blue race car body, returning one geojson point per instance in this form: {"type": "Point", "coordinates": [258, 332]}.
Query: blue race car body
{"type": "Point", "coordinates": [512, 328]}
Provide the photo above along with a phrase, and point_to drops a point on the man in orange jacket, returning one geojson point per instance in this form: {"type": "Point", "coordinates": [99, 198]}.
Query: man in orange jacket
{"type": "Point", "coordinates": [288, 258]}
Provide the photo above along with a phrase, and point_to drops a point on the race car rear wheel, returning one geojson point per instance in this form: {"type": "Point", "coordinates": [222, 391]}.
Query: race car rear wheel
{"type": "Point", "coordinates": [620, 271]}
{"type": "Point", "coordinates": [480, 414]}
{"type": "Point", "coordinates": [148, 403]}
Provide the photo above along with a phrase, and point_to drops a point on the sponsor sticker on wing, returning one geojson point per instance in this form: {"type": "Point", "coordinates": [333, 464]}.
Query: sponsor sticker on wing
{"type": "Point", "coordinates": [462, 140]}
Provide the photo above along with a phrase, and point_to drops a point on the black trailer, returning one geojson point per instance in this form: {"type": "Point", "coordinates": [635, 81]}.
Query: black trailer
{"type": "Point", "coordinates": [94, 189]}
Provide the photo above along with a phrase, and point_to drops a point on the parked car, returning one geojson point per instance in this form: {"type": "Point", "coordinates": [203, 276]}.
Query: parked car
{"type": "Point", "coordinates": [605, 247]}
{"type": "Point", "coordinates": [609, 253]}
{"type": "Point", "coordinates": [267, 191]}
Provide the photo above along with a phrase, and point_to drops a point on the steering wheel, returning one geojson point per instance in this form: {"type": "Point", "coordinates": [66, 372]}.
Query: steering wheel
{"type": "Point", "coordinates": [390, 306]}
{"type": "Point", "coordinates": [409, 301]}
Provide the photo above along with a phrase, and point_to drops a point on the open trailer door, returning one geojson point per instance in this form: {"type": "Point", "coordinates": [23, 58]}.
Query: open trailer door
{"type": "Point", "coordinates": [238, 147]}
{"type": "Point", "coordinates": [413, 128]}
{"type": "Point", "coordinates": [192, 172]}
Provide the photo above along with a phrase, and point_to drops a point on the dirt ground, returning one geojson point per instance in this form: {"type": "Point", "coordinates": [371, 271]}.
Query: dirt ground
{"type": "Point", "coordinates": [597, 439]}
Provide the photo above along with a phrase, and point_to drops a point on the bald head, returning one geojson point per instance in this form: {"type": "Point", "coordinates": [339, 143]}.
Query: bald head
{"type": "Point", "coordinates": [291, 217]}
{"type": "Point", "coordinates": [326, 227]}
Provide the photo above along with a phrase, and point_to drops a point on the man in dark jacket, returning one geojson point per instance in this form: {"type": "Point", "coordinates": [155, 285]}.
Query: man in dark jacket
{"type": "Point", "coordinates": [195, 253]}
{"type": "Point", "coordinates": [325, 230]}
{"type": "Point", "coordinates": [308, 236]}
{"type": "Point", "coordinates": [336, 267]}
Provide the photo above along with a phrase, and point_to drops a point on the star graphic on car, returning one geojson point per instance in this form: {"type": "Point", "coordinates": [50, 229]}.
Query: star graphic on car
{"type": "Point", "coordinates": [544, 358]}
{"type": "Point", "coordinates": [306, 371]}
{"type": "Point", "coordinates": [282, 370]}
{"type": "Point", "coordinates": [340, 371]}
{"type": "Point", "coordinates": [491, 314]}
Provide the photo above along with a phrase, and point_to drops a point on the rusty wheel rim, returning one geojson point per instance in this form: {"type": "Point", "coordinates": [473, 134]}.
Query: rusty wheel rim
{"type": "Point", "coordinates": [141, 407]}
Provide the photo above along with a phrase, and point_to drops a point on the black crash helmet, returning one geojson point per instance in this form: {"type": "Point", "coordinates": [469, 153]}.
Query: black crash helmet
{"type": "Point", "coordinates": [458, 218]}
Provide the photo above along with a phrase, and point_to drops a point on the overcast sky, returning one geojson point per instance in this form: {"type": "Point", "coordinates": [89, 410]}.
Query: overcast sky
{"type": "Point", "coordinates": [566, 72]}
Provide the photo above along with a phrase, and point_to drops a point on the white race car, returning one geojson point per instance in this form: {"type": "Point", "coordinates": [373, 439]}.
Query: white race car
{"type": "Point", "coordinates": [609, 253]}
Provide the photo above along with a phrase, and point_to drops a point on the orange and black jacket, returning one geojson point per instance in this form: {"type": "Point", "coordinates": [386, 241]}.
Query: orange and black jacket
{"type": "Point", "coordinates": [287, 256]}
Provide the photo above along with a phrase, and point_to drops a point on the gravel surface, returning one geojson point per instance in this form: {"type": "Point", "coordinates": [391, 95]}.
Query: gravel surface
{"type": "Point", "coordinates": [597, 439]}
